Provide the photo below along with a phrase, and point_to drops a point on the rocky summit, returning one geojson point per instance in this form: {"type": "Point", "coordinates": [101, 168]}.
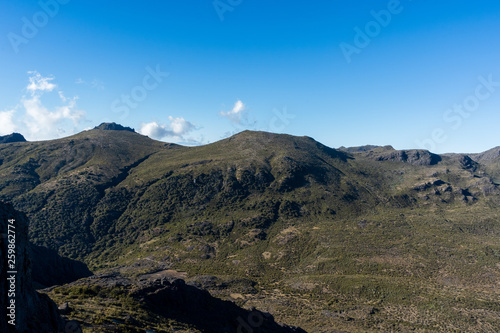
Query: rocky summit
{"type": "Point", "coordinates": [14, 137]}
{"type": "Point", "coordinates": [113, 127]}
{"type": "Point", "coordinates": [259, 232]}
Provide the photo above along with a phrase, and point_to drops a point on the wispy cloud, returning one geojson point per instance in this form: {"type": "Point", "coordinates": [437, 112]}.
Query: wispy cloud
{"type": "Point", "coordinates": [37, 121]}
{"type": "Point", "coordinates": [176, 129]}
{"type": "Point", "coordinates": [38, 83]}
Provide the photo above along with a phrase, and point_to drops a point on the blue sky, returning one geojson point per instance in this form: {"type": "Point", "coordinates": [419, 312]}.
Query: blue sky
{"type": "Point", "coordinates": [412, 74]}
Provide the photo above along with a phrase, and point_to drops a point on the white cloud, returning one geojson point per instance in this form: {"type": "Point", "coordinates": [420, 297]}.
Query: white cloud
{"type": "Point", "coordinates": [43, 122]}
{"type": "Point", "coordinates": [180, 126]}
{"type": "Point", "coordinates": [36, 120]}
{"type": "Point", "coordinates": [153, 130]}
{"type": "Point", "coordinates": [39, 83]}
{"type": "Point", "coordinates": [237, 114]}
{"type": "Point", "coordinates": [7, 125]}
{"type": "Point", "coordinates": [176, 129]}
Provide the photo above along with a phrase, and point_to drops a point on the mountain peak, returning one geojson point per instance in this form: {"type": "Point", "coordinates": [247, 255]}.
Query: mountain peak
{"type": "Point", "coordinates": [14, 137]}
{"type": "Point", "coordinates": [113, 127]}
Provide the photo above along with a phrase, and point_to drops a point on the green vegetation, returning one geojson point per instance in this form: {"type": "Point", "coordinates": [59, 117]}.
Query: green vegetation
{"type": "Point", "coordinates": [373, 240]}
{"type": "Point", "coordinates": [102, 309]}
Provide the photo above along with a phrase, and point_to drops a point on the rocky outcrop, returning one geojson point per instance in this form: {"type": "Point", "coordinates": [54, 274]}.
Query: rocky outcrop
{"type": "Point", "coordinates": [173, 298]}
{"type": "Point", "coordinates": [413, 157]}
{"type": "Point", "coordinates": [388, 153]}
{"type": "Point", "coordinates": [467, 163]}
{"type": "Point", "coordinates": [14, 137]}
{"type": "Point", "coordinates": [113, 127]}
{"type": "Point", "coordinates": [191, 305]}
{"type": "Point", "coordinates": [33, 312]}
{"type": "Point", "coordinates": [358, 149]}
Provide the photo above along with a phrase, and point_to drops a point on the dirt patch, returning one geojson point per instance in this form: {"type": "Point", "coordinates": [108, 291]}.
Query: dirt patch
{"type": "Point", "coordinates": [237, 296]}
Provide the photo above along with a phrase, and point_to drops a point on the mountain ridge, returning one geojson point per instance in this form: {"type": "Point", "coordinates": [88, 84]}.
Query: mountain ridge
{"type": "Point", "coordinates": [272, 218]}
{"type": "Point", "coordinates": [487, 154]}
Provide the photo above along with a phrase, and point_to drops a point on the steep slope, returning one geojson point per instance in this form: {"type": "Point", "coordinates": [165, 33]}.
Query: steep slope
{"type": "Point", "coordinates": [491, 161]}
{"type": "Point", "coordinates": [82, 185]}
{"type": "Point", "coordinates": [248, 182]}
{"type": "Point", "coordinates": [58, 183]}
{"type": "Point", "coordinates": [318, 237]}
{"type": "Point", "coordinates": [487, 156]}
{"type": "Point", "coordinates": [49, 268]}
{"type": "Point", "coordinates": [160, 305]}
{"type": "Point", "coordinates": [29, 311]}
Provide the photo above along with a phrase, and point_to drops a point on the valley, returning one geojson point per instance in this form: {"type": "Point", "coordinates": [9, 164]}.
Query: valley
{"type": "Point", "coordinates": [360, 239]}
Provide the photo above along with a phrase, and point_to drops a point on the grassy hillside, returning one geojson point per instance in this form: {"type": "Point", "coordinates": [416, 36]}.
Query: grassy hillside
{"type": "Point", "coordinates": [356, 239]}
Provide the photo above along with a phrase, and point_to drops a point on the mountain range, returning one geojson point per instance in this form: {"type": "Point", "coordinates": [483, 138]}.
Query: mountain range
{"type": "Point", "coordinates": [358, 239]}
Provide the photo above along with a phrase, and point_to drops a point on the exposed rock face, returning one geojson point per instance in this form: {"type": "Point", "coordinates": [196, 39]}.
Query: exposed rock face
{"type": "Point", "coordinates": [113, 127]}
{"type": "Point", "coordinates": [14, 137]}
{"type": "Point", "coordinates": [467, 163]}
{"type": "Point", "coordinates": [34, 312]}
{"type": "Point", "coordinates": [190, 304]}
{"type": "Point", "coordinates": [49, 268]}
{"type": "Point", "coordinates": [173, 298]}
{"type": "Point", "coordinates": [414, 157]}
{"type": "Point", "coordinates": [388, 153]}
